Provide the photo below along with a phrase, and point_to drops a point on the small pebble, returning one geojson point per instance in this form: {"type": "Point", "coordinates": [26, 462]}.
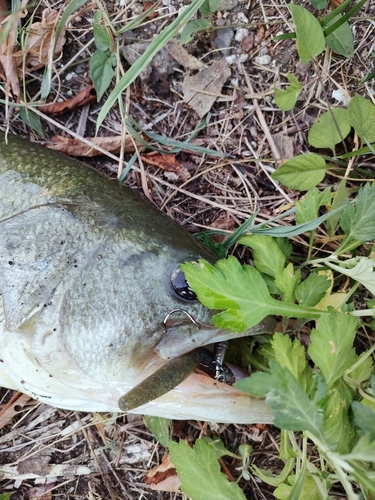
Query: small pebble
{"type": "Point", "coordinates": [263, 60]}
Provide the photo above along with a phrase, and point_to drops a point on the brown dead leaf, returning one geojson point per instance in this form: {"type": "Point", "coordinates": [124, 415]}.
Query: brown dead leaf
{"type": "Point", "coordinates": [164, 477]}
{"type": "Point", "coordinates": [84, 97]}
{"type": "Point", "coordinates": [147, 6]}
{"type": "Point", "coordinates": [168, 163]}
{"type": "Point", "coordinates": [182, 56]}
{"type": "Point", "coordinates": [75, 147]}
{"type": "Point", "coordinates": [12, 408]}
{"type": "Point", "coordinates": [41, 492]}
{"type": "Point", "coordinates": [225, 222]}
{"type": "Point", "coordinates": [285, 146]}
{"type": "Point", "coordinates": [202, 90]}
{"type": "Point", "coordinates": [8, 61]}
{"type": "Point", "coordinates": [336, 3]}
{"type": "Point", "coordinates": [40, 42]}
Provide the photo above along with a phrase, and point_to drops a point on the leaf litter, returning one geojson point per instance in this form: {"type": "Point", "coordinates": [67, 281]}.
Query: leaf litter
{"type": "Point", "coordinates": [109, 457]}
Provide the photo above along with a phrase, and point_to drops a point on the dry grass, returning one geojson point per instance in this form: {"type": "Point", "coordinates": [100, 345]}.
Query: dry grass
{"type": "Point", "coordinates": [50, 453]}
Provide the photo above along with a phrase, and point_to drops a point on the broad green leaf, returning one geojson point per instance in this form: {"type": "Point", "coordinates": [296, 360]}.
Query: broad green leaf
{"type": "Point", "coordinates": [291, 355]}
{"type": "Point", "coordinates": [219, 447]}
{"type": "Point", "coordinates": [5, 496]}
{"type": "Point", "coordinates": [341, 40]}
{"type": "Point", "coordinates": [302, 172]}
{"type": "Point", "coordinates": [287, 282]}
{"type": "Point", "coordinates": [331, 346]}
{"type": "Point", "coordinates": [287, 98]}
{"type": "Point", "coordinates": [240, 291]}
{"type": "Point", "coordinates": [329, 129]}
{"type": "Point", "coordinates": [268, 258]}
{"type": "Point", "coordinates": [364, 418]}
{"type": "Point", "coordinates": [160, 428]}
{"type": "Point", "coordinates": [319, 4]}
{"type": "Point", "coordinates": [311, 291]}
{"type": "Point", "coordinates": [358, 220]}
{"type": "Point", "coordinates": [101, 71]}
{"type": "Point", "coordinates": [362, 117]}
{"type": "Point", "coordinates": [364, 449]}
{"type": "Point", "coordinates": [307, 208]}
{"type": "Point", "coordinates": [363, 370]}
{"type": "Point", "coordinates": [200, 474]}
{"type": "Point", "coordinates": [360, 269]}
{"type": "Point", "coordinates": [291, 405]}
{"type": "Point", "coordinates": [102, 38]}
{"type": "Point", "coordinates": [310, 38]}
{"type": "Point", "coordinates": [194, 27]}
{"type": "Point", "coordinates": [337, 427]}
{"type": "Point", "coordinates": [32, 120]}
{"type": "Point", "coordinates": [308, 489]}
{"type": "Point", "coordinates": [209, 6]}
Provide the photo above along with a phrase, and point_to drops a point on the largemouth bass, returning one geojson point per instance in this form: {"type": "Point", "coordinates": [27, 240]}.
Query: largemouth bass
{"type": "Point", "coordinates": [88, 274]}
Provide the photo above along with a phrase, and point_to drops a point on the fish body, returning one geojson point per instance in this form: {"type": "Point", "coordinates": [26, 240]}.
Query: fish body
{"type": "Point", "coordinates": [85, 283]}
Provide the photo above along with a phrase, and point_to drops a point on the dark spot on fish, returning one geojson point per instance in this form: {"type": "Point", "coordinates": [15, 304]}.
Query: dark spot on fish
{"type": "Point", "coordinates": [11, 263]}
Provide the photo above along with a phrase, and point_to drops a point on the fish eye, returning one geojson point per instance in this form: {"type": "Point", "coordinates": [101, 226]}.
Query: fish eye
{"type": "Point", "coordinates": [181, 286]}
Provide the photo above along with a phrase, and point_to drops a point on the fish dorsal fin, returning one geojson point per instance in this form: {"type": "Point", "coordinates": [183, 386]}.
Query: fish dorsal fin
{"type": "Point", "coordinates": [37, 247]}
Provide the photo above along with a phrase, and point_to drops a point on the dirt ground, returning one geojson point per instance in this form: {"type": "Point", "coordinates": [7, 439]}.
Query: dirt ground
{"type": "Point", "coordinates": [50, 453]}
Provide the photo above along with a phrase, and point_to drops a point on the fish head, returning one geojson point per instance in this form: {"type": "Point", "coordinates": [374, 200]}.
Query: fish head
{"type": "Point", "coordinates": [93, 301]}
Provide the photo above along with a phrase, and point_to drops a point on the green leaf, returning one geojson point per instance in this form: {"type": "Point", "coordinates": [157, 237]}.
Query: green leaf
{"type": "Point", "coordinates": [358, 220]}
{"type": "Point", "coordinates": [307, 489]}
{"type": "Point", "coordinates": [339, 198]}
{"type": "Point", "coordinates": [310, 37]}
{"type": "Point", "coordinates": [271, 479]}
{"type": "Point", "coordinates": [101, 71]}
{"type": "Point", "coordinates": [291, 355]}
{"type": "Point", "coordinates": [360, 269]}
{"type": "Point", "coordinates": [240, 290]}
{"type": "Point", "coordinates": [287, 98]}
{"type": "Point", "coordinates": [287, 282]}
{"type": "Point", "coordinates": [362, 117]}
{"type": "Point", "coordinates": [160, 41]}
{"type": "Point", "coordinates": [363, 370]}
{"type": "Point", "coordinates": [366, 478]}
{"type": "Point", "coordinates": [209, 6]}
{"type": "Point", "coordinates": [364, 449]}
{"type": "Point", "coordinates": [331, 346]}
{"type": "Point", "coordinates": [307, 208]}
{"type": "Point", "coordinates": [291, 405]}
{"type": "Point", "coordinates": [337, 427]}
{"type": "Point", "coordinates": [194, 27]}
{"type": "Point", "coordinates": [302, 172]}
{"type": "Point", "coordinates": [5, 496]}
{"type": "Point", "coordinates": [319, 4]}
{"type": "Point", "coordinates": [32, 120]}
{"type": "Point", "coordinates": [311, 291]}
{"type": "Point", "coordinates": [102, 37]}
{"type": "Point", "coordinates": [200, 474]}
{"type": "Point", "coordinates": [268, 258]}
{"type": "Point", "coordinates": [364, 418]}
{"type": "Point", "coordinates": [329, 129]}
{"type": "Point", "coordinates": [341, 40]}
{"type": "Point", "coordinates": [219, 447]}
{"type": "Point", "coordinates": [160, 428]}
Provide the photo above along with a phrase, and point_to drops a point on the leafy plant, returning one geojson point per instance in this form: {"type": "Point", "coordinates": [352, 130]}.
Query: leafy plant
{"type": "Point", "coordinates": [103, 59]}
{"type": "Point", "coordinates": [330, 400]}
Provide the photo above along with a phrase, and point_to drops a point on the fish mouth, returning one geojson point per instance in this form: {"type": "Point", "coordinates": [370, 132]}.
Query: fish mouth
{"type": "Point", "coordinates": [176, 371]}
